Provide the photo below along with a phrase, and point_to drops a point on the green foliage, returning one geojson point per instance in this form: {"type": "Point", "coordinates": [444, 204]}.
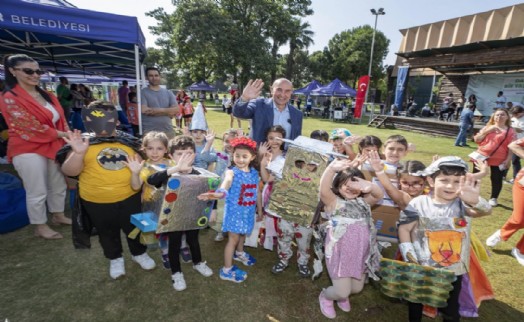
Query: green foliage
{"type": "Point", "coordinates": [350, 54]}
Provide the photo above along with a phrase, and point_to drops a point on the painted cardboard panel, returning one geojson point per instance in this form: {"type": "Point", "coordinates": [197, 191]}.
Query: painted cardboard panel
{"type": "Point", "coordinates": [295, 196]}
{"type": "Point", "coordinates": [180, 209]}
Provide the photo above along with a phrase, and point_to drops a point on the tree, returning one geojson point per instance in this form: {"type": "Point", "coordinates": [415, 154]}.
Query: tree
{"type": "Point", "coordinates": [300, 38]}
{"type": "Point", "coordinates": [351, 49]}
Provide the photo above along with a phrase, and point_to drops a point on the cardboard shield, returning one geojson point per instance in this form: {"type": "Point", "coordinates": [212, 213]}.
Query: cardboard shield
{"type": "Point", "coordinates": [295, 195]}
{"type": "Point", "coordinates": [181, 210]}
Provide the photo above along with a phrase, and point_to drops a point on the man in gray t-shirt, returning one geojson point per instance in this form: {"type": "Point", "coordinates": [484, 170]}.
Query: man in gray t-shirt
{"type": "Point", "coordinates": [158, 105]}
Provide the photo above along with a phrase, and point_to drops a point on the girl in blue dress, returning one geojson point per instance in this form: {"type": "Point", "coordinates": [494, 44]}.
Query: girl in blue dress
{"type": "Point", "coordinates": [239, 188]}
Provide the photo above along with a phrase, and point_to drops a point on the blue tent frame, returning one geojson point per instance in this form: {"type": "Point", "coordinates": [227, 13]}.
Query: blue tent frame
{"type": "Point", "coordinates": [63, 38]}
{"type": "Point", "coordinates": [202, 86]}
{"type": "Point", "coordinates": [336, 88]}
{"type": "Point", "coordinates": [306, 90]}
{"type": "Point", "coordinates": [67, 39]}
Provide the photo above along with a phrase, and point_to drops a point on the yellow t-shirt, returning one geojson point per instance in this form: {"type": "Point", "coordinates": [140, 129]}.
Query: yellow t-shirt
{"type": "Point", "coordinates": [148, 191]}
{"type": "Point", "coordinates": [105, 178]}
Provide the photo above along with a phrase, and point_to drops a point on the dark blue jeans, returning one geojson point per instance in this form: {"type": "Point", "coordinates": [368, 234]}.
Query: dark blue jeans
{"type": "Point", "coordinates": [463, 135]}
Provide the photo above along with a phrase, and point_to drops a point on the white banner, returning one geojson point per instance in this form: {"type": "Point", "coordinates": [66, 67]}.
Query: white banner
{"type": "Point", "coordinates": [486, 87]}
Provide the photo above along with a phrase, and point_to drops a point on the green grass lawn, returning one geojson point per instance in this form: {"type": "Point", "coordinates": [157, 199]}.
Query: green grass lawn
{"type": "Point", "coordinates": [50, 281]}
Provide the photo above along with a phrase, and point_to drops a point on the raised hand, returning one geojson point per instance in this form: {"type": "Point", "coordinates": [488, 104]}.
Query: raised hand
{"type": "Point", "coordinates": [77, 142]}
{"type": "Point", "coordinates": [210, 136]}
{"type": "Point", "coordinates": [264, 148]}
{"type": "Point", "coordinates": [185, 163]}
{"type": "Point", "coordinates": [266, 158]}
{"type": "Point", "coordinates": [252, 90]}
{"type": "Point", "coordinates": [134, 163]}
{"type": "Point", "coordinates": [469, 189]}
{"type": "Point", "coordinates": [375, 161]}
{"type": "Point", "coordinates": [363, 185]}
{"type": "Point", "coordinates": [353, 139]}
{"type": "Point", "coordinates": [339, 164]}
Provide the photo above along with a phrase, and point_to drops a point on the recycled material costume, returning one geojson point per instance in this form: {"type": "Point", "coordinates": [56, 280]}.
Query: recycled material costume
{"type": "Point", "coordinates": [239, 209]}
{"type": "Point", "coordinates": [350, 246]}
{"type": "Point", "coordinates": [103, 185]}
{"type": "Point", "coordinates": [443, 241]}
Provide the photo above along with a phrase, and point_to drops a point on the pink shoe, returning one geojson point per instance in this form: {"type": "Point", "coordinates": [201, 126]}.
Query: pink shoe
{"type": "Point", "coordinates": [344, 305]}
{"type": "Point", "coordinates": [326, 306]}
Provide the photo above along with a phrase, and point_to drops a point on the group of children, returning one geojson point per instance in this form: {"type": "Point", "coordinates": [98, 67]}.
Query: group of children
{"type": "Point", "coordinates": [443, 192]}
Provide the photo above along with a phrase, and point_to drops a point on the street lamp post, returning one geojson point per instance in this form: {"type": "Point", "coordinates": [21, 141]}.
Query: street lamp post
{"type": "Point", "coordinates": [376, 13]}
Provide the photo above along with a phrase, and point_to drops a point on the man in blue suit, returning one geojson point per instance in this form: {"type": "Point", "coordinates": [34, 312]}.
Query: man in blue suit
{"type": "Point", "coordinates": [266, 113]}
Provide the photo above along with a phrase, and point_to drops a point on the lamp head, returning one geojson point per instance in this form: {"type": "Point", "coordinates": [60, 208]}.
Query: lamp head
{"type": "Point", "coordinates": [381, 11]}
{"type": "Point", "coordinates": [373, 11]}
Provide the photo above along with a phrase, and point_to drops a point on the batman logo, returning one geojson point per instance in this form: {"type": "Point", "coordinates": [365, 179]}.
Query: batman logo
{"type": "Point", "coordinates": [112, 158]}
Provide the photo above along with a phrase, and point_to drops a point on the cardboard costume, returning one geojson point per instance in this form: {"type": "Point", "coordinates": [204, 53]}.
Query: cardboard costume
{"type": "Point", "coordinates": [295, 192]}
{"type": "Point", "coordinates": [179, 209]}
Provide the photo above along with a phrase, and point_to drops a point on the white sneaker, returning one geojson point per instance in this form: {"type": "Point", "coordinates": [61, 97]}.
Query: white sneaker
{"type": "Point", "coordinates": [203, 269]}
{"type": "Point", "coordinates": [144, 261]}
{"type": "Point", "coordinates": [516, 253]}
{"type": "Point", "coordinates": [219, 237]}
{"type": "Point", "coordinates": [179, 283]}
{"type": "Point", "coordinates": [117, 268]}
{"type": "Point", "coordinates": [494, 239]}
{"type": "Point", "coordinates": [493, 202]}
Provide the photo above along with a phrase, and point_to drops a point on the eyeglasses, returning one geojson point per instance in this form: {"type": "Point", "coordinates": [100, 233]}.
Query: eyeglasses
{"type": "Point", "coordinates": [414, 185]}
{"type": "Point", "coordinates": [30, 71]}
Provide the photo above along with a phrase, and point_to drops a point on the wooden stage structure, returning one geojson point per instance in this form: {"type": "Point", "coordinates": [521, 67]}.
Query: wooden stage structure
{"type": "Point", "coordinates": [429, 125]}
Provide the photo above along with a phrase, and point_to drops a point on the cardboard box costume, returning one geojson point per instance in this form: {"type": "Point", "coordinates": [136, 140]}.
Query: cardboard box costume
{"type": "Point", "coordinates": [295, 192]}
{"type": "Point", "coordinates": [179, 209]}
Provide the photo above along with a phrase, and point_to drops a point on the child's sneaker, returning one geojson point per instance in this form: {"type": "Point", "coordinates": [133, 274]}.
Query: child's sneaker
{"type": "Point", "coordinates": [165, 261]}
{"type": "Point", "coordinates": [278, 267]}
{"type": "Point", "coordinates": [326, 306]}
{"type": "Point", "coordinates": [144, 261]}
{"type": "Point", "coordinates": [344, 305]}
{"type": "Point", "coordinates": [245, 259]}
{"type": "Point", "coordinates": [234, 274]}
{"type": "Point", "coordinates": [494, 239]}
{"type": "Point", "coordinates": [203, 269]}
{"type": "Point", "coordinates": [117, 268]}
{"type": "Point", "coordinates": [303, 271]}
{"type": "Point", "coordinates": [186, 254]}
{"type": "Point", "coordinates": [219, 237]}
{"type": "Point", "coordinates": [179, 283]}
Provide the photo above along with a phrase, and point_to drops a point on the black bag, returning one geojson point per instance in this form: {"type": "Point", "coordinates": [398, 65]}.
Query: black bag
{"type": "Point", "coordinates": [82, 227]}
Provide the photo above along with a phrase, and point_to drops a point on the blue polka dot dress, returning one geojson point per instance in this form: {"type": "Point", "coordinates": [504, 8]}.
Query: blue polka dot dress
{"type": "Point", "coordinates": [239, 209]}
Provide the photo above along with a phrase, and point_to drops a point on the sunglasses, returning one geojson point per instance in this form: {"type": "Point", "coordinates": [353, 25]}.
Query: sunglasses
{"type": "Point", "coordinates": [30, 71]}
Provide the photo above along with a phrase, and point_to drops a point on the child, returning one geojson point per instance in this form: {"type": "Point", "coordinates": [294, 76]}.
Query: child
{"type": "Point", "coordinates": [104, 189]}
{"type": "Point", "coordinates": [430, 222]}
{"type": "Point", "coordinates": [350, 244]}
{"type": "Point", "coordinates": [410, 186]}
{"type": "Point", "coordinates": [182, 152]}
{"type": "Point", "coordinates": [320, 135]}
{"type": "Point", "coordinates": [154, 144]}
{"type": "Point", "coordinates": [223, 163]}
{"type": "Point", "coordinates": [395, 148]}
{"type": "Point", "coordinates": [240, 188]}
{"type": "Point", "coordinates": [132, 113]}
{"type": "Point", "coordinates": [205, 154]}
{"type": "Point", "coordinates": [285, 230]}
{"type": "Point", "coordinates": [337, 137]}
{"type": "Point", "coordinates": [186, 109]}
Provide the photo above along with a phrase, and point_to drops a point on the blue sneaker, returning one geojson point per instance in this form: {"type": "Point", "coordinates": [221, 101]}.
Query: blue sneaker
{"type": "Point", "coordinates": [165, 261]}
{"type": "Point", "coordinates": [245, 259]}
{"type": "Point", "coordinates": [235, 275]}
{"type": "Point", "coordinates": [186, 254]}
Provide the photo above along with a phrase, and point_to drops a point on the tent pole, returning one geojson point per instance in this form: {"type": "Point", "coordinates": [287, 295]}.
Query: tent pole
{"type": "Point", "coordinates": [138, 88]}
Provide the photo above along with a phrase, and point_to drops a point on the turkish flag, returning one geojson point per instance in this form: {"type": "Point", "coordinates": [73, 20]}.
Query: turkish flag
{"type": "Point", "coordinates": [361, 95]}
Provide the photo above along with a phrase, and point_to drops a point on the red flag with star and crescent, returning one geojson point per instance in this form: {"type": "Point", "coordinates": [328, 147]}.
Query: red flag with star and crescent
{"type": "Point", "coordinates": [361, 95]}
